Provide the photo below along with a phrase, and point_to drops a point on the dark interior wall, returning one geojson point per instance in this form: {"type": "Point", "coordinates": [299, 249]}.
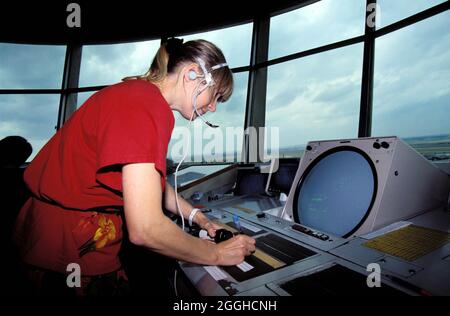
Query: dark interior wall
{"type": "Point", "coordinates": [44, 22]}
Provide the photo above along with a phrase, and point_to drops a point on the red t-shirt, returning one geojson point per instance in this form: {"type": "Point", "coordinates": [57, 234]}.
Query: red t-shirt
{"type": "Point", "coordinates": [80, 169]}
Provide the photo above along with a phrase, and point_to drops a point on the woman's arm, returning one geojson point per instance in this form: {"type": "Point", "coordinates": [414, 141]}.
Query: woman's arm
{"type": "Point", "coordinates": [200, 219]}
{"type": "Point", "coordinates": [149, 227]}
{"type": "Point", "coordinates": [170, 203]}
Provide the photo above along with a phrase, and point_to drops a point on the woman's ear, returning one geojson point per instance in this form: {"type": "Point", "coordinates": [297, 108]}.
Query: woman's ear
{"type": "Point", "coordinates": [191, 72]}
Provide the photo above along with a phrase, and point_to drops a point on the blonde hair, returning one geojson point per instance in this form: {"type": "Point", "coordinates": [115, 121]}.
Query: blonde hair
{"type": "Point", "coordinates": [172, 54]}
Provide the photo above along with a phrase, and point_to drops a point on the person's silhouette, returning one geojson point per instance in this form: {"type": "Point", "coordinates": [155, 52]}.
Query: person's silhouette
{"type": "Point", "coordinates": [14, 151]}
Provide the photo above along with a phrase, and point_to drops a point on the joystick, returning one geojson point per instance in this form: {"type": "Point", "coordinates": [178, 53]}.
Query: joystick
{"type": "Point", "coordinates": [222, 235]}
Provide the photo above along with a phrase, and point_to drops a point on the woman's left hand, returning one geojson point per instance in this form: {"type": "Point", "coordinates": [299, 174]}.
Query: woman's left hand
{"type": "Point", "coordinates": [208, 225]}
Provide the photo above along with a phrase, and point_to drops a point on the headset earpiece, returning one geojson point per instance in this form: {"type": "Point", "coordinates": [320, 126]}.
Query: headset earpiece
{"type": "Point", "coordinates": [192, 75]}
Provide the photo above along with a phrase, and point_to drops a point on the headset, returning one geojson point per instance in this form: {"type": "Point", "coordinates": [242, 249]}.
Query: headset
{"type": "Point", "coordinates": [192, 75]}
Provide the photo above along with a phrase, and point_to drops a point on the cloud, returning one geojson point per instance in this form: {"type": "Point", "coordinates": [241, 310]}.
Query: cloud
{"type": "Point", "coordinates": [429, 118]}
{"type": "Point", "coordinates": [30, 116]}
{"type": "Point", "coordinates": [412, 73]}
{"type": "Point", "coordinates": [31, 66]}
{"type": "Point", "coordinates": [318, 24]}
{"type": "Point", "coordinates": [235, 43]}
{"type": "Point", "coordinates": [108, 64]}
{"type": "Point", "coordinates": [393, 11]}
{"type": "Point", "coordinates": [316, 97]}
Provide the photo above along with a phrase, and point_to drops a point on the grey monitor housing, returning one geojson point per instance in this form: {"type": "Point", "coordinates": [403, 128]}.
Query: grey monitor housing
{"type": "Point", "coordinates": [406, 183]}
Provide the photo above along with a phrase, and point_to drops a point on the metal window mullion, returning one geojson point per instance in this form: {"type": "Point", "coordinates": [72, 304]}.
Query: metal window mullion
{"type": "Point", "coordinates": [71, 75]}
{"type": "Point", "coordinates": [257, 86]}
{"type": "Point", "coordinates": [366, 104]}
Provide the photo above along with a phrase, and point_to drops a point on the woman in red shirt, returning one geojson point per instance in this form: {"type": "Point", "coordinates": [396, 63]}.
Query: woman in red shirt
{"type": "Point", "coordinates": [109, 159]}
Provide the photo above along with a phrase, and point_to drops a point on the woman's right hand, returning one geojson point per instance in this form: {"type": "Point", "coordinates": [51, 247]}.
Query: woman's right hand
{"type": "Point", "coordinates": [234, 250]}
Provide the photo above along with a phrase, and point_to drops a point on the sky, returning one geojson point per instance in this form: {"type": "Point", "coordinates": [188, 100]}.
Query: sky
{"type": "Point", "coordinates": [312, 98]}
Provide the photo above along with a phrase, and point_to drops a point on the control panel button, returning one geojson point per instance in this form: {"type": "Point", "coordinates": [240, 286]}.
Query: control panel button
{"type": "Point", "coordinates": [310, 232]}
